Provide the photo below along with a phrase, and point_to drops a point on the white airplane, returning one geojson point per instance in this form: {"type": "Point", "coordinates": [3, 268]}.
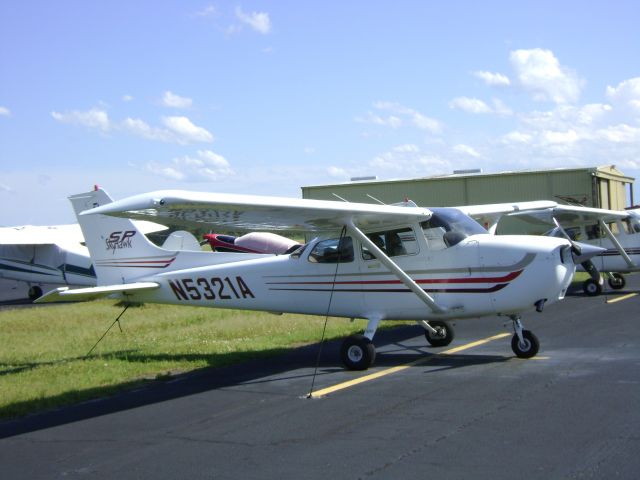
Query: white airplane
{"type": "Point", "coordinates": [616, 231]}
{"type": "Point", "coordinates": [370, 261]}
{"type": "Point", "coordinates": [47, 256]}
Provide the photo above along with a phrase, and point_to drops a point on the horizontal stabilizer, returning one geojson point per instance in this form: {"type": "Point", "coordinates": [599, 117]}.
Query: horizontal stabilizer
{"type": "Point", "coordinates": [63, 294]}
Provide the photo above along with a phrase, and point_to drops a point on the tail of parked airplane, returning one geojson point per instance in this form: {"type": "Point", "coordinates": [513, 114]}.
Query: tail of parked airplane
{"type": "Point", "coordinates": [121, 253]}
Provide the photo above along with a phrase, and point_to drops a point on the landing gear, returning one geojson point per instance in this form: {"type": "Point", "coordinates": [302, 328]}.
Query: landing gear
{"type": "Point", "coordinates": [524, 343]}
{"type": "Point", "coordinates": [357, 352]}
{"type": "Point", "coordinates": [616, 281]}
{"type": "Point", "coordinates": [35, 292]}
{"type": "Point", "coordinates": [591, 287]}
{"type": "Point", "coordinates": [437, 332]}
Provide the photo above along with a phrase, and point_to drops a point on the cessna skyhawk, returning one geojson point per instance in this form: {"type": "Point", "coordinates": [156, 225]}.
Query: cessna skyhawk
{"type": "Point", "coordinates": [377, 262]}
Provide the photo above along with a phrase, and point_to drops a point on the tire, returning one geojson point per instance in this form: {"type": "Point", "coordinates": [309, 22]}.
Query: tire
{"type": "Point", "coordinates": [444, 338]}
{"type": "Point", "coordinates": [357, 352]}
{"type": "Point", "coordinates": [529, 348]}
{"type": "Point", "coordinates": [617, 281]}
{"type": "Point", "coordinates": [35, 292]}
{"type": "Point", "coordinates": [591, 288]}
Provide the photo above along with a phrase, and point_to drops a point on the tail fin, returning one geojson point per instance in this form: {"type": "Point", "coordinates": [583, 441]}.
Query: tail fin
{"type": "Point", "coordinates": [120, 252]}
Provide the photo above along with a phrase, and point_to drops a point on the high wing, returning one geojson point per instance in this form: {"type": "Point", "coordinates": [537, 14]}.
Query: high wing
{"type": "Point", "coordinates": [249, 213]}
{"type": "Point", "coordinates": [66, 236]}
{"type": "Point", "coordinates": [41, 235]}
{"type": "Point", "coordinates": [569, 215]}
{"type": "Point", "coordinates": [542, 211]}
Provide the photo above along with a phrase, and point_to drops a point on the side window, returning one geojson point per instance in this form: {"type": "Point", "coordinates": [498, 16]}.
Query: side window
{"type": "Point", "coordinates": [332, 251]}
{"type": "Point", "coordinates": [401, 241]}
{"type": "Point", "coordinates": [434, 235]}
{"type": "Point", "coordinates": [633, 226]}
{"type": "Point", "coordinates": [593, 232]}
{"type": "Point", "coordinates": [613, 226]}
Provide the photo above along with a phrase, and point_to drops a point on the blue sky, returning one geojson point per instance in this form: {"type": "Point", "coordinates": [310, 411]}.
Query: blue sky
{"type": "Point", "coordinates": [266, 97]}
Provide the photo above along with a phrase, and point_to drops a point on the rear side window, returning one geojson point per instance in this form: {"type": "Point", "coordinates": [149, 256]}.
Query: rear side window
{"type": "Point", "coordinates": [401, 241]}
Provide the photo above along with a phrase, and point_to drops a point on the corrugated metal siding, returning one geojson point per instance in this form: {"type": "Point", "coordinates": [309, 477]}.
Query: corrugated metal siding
{"type": "Point", "coordinates": [572, 185]}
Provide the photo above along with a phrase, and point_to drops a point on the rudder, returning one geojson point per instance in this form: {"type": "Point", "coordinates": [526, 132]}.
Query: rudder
{"type": "Point", "coordinates": [120, 252]}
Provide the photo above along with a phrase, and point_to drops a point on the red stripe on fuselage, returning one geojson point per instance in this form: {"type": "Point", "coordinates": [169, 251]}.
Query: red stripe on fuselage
{"type": "Point", "coordinates": [505, 278]}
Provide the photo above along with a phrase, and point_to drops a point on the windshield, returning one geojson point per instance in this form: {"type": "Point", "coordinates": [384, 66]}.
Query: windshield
{"type": "Point", "coordinates": [453, 220]}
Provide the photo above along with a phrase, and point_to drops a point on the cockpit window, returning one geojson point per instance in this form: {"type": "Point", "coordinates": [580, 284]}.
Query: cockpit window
{"type": "Point", "coordinates": [448, 227]}
{"type": "Point", "coordinates": [332, 251]}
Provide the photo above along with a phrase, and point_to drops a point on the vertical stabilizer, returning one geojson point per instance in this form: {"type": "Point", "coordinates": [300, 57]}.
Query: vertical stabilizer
{"type": "Point", "coordinates": [120, 252]}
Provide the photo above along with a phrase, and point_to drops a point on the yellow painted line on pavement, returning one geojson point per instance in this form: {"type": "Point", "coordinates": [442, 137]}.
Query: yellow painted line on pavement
{"type": "Point", "coordinates": [399, 368]}
{"type": "Point", "coordinates": [619, 299]}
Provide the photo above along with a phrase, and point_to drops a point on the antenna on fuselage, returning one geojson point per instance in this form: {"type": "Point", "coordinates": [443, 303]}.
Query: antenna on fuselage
{"type": "Point", "coordinates": [338, 196]}
{"type": "Point", "coordinates": [375, 199]}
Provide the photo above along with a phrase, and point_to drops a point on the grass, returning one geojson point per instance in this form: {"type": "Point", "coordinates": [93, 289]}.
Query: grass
{"type": "Point", "coordinates": [43, 361]}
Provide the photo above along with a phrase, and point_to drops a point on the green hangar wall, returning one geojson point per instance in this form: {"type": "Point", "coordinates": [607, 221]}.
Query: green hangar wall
{"type": "Point", "coordinates": [599, 187]}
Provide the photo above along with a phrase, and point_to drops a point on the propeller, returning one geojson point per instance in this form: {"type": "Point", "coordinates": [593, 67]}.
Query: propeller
{"type": "Point", "coordinates": [581, 252]}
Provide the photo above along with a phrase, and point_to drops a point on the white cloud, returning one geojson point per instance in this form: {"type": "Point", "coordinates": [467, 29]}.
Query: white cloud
{"type": "Point", "coordinates": [127, 98]}
{"type": "Point", "coordinates": [539, 72]}
{"type": "Point", "coordinates": [425, 123]}
{"type": "Point", "coordinates": [172, 100]}
{"type": "Point", "coordinates": [185, 131]}
{"type": "Point", "coordinates": [94, 118]}
{"type": "Point", "coordinates": [407, 148]}
{"type": "Point", "coordinates": [626, 93]}
{"type": "Point", "coordinates": [469, 105]}
{"type": "Point", "coordinates": [554, 137]}
{"type": "Point", "coordinates": [5, 188]}
{"type": "Point", "coordinates": [401, 116]}
{"type": "Point", "coordinates": [500, 108]}
{"type": "Point", "coordinates": [390, 121]}
{"type": "Point", "coordinates": [206, 166]}
{"type": "Point", "coordinates": [408, 160]}
{"type": "Point", "coordinates": [140, 128]}
{"type": "Point", "coordinates": [493, 79]}
{"type": "Point", "coordinates": [462, 149]}
{"type": "Point", "coordinates": [208, 11]}
{"type": "Point", "coordinates": [337, 172]}
{"type": "Point", "coordinates": [258, 21]}
{"type": "Point", "coordinates": [176, 129]}
{"type": "Point", "coordinates": [516, 137]}
{"type": "Point", "coordinates": [592, 113]}
{"type": "Point", "coordinates": [4, 111]}
{"type": "Point", "coordinates": [620, 134]}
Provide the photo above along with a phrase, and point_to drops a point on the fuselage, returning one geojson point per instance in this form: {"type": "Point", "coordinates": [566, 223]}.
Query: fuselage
{"type": "Point", "coordinates": [47, 264]}
{"type": "Point", "coordinates": [479, 275]}
{"type": "Point", "coordinates": [627, 234]}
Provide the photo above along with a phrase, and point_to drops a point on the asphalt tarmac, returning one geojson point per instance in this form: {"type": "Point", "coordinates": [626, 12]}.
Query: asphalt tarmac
{"type": "Point", "coordinates": [477, 412]}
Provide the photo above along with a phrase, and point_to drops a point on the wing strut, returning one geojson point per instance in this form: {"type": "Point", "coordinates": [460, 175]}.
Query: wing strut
{"type": "Point", "coordinates": [395, 269]}
{"type": "Point", "coordinates": [615, 241]}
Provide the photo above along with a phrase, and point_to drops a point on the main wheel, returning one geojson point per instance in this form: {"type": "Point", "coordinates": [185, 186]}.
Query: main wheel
{"type": "Point", "coordinates": [617, 281]}
{"type": "Point", "coordinates": [527, 349]}
{"type": "Point", "coordinates": [444, 336]}
{"type": "Point", "coordinates": [35, 292]}
{"type": "Point", "coordinates": [591, 287]}
{"type": "Point", "coordinates": [357, 352]}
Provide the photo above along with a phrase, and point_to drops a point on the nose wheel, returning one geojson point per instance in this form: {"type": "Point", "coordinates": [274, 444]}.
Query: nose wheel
{"type": "Point", "coordinates": [616, 281]}
{"type": "Point", "coordinates": [523, 343]}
